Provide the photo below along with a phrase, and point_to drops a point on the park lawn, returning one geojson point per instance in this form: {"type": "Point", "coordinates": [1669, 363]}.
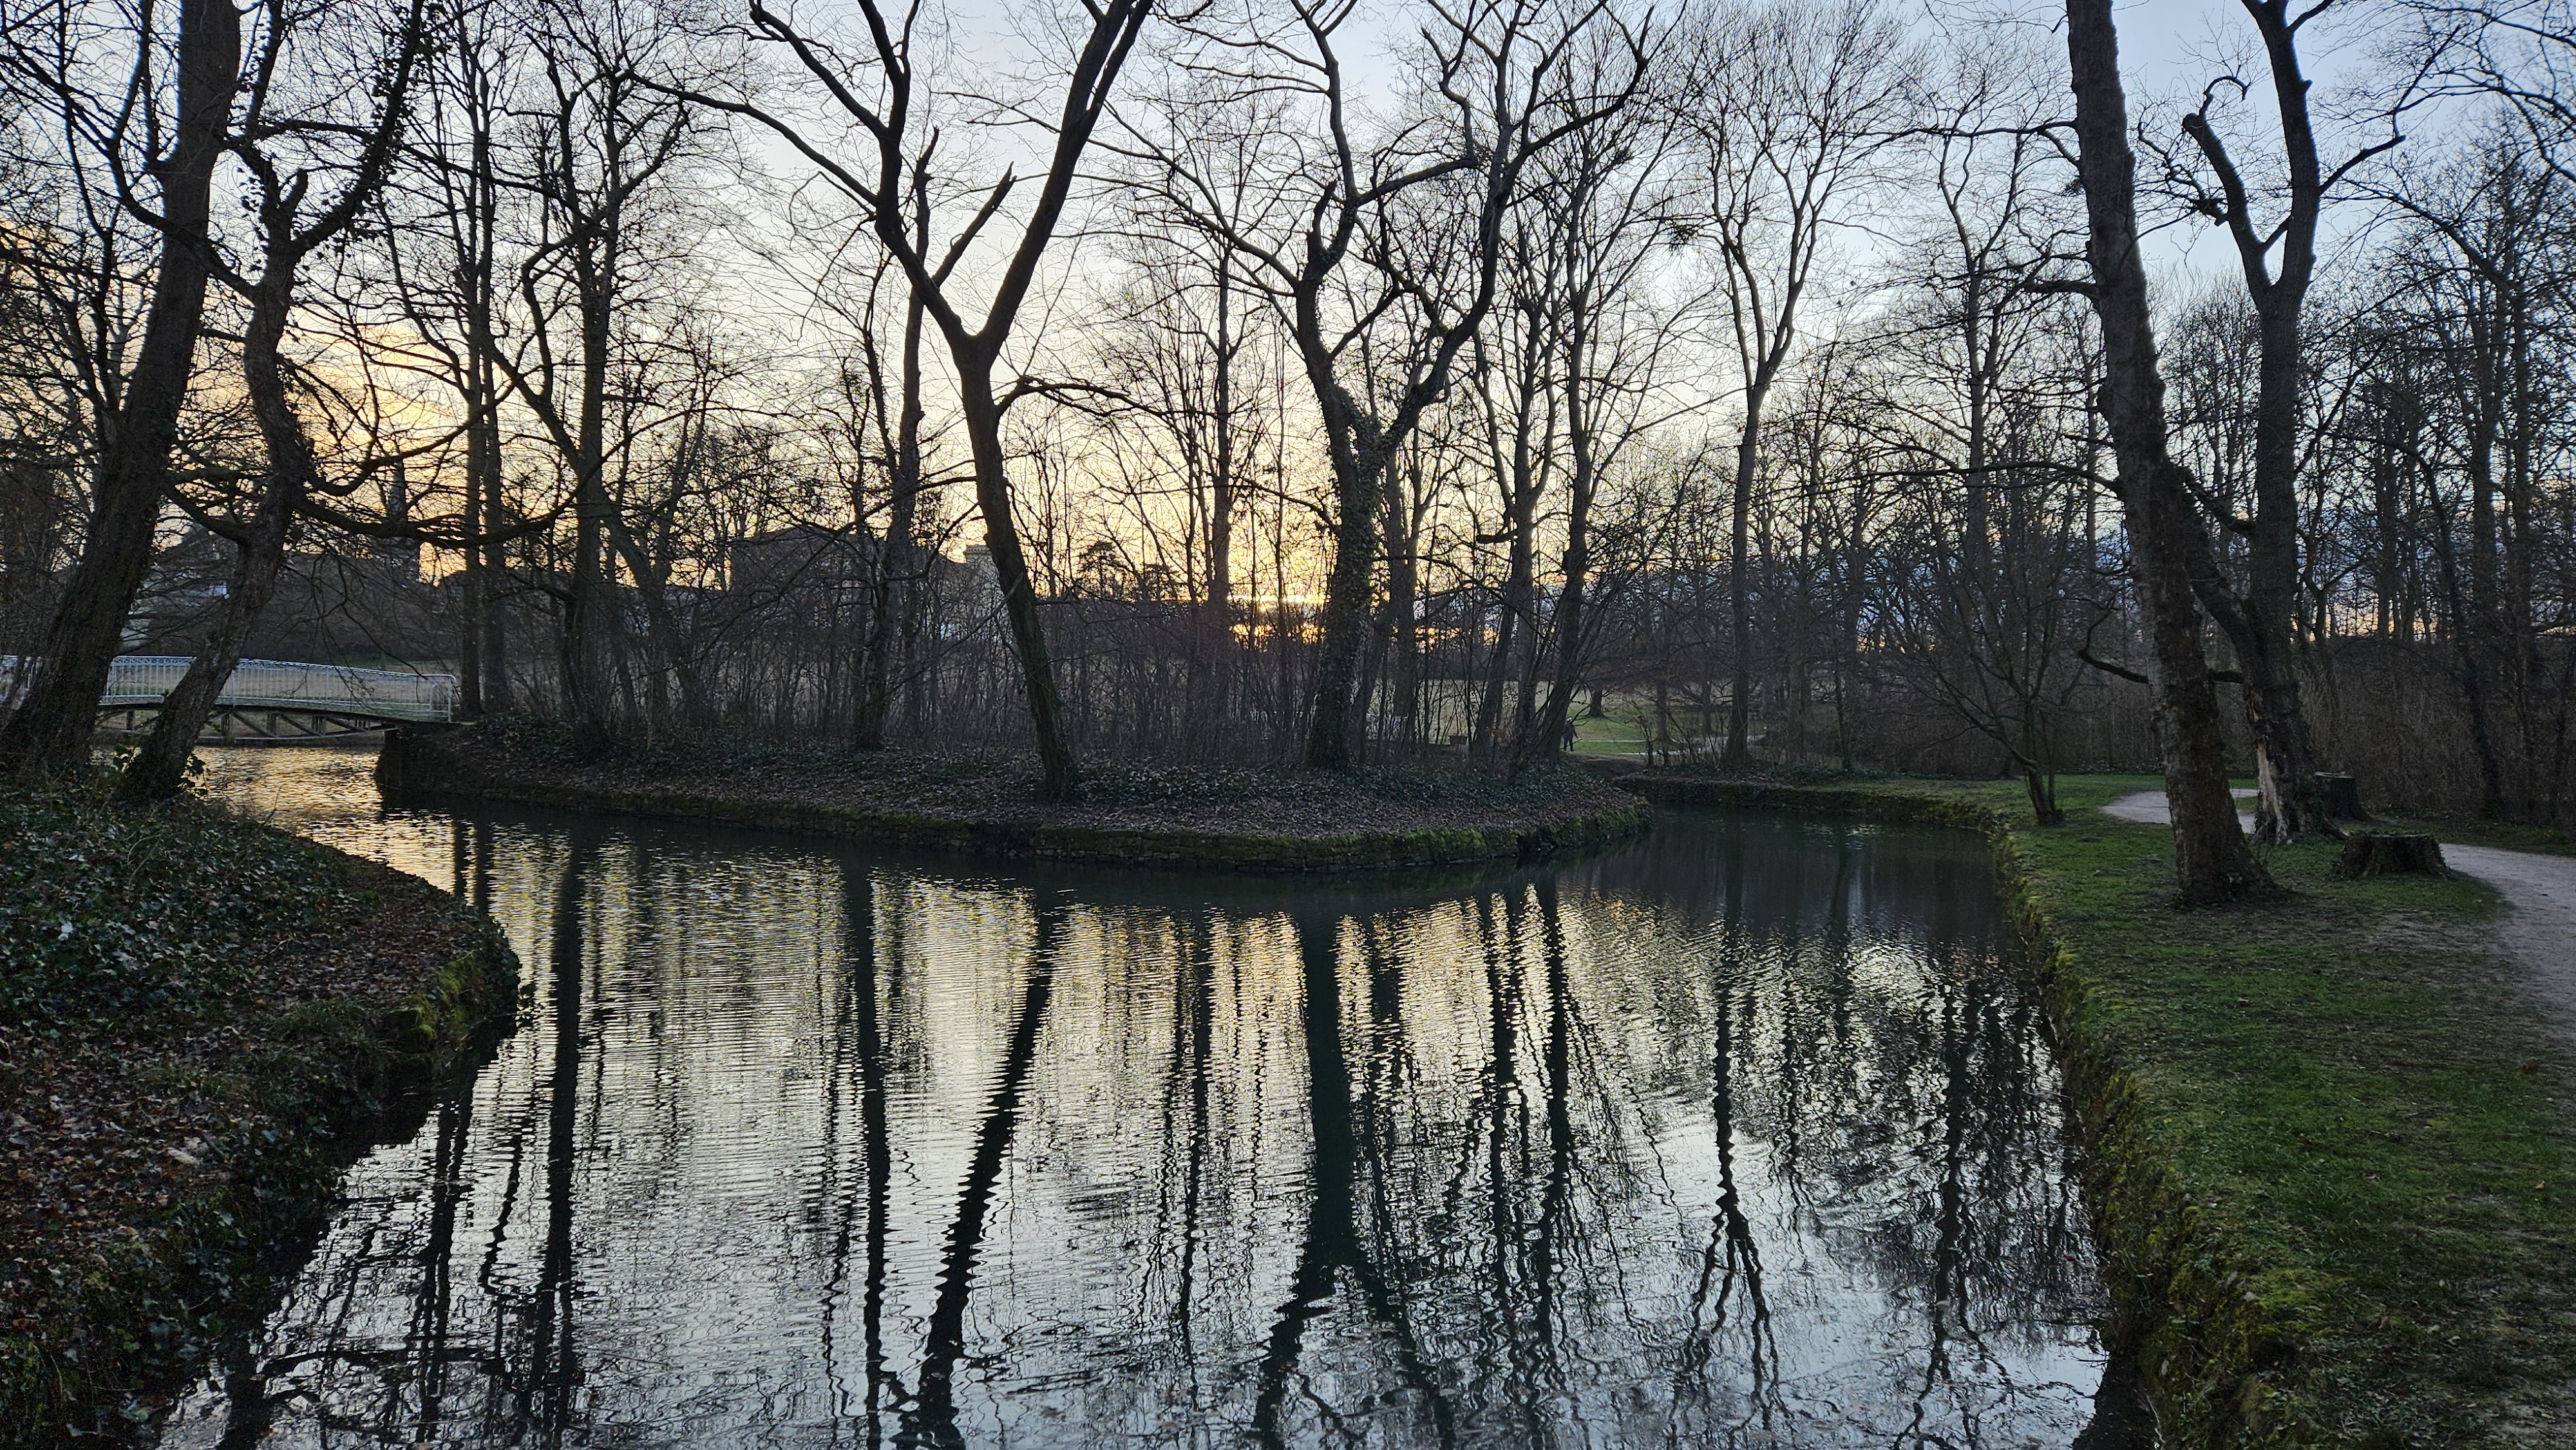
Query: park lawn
{"type": "Point", "coordinates": [2502, 835]}
{"type": "Point", "coordinates": [2362, 1096]}
{"type": "Point", "coordinates": [1611, 734]}
{"type": "Point", "coordinates": [1625, 729]}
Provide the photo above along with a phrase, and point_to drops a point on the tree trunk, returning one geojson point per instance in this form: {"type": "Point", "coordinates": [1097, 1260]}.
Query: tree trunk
{"type": "Point", "coordinates": [2375, 853]}
{"type": "Point", "coordinates": [31, 541]}
{"type": "Point", "coordinates": [1058, 772]}
{"type": "Point", "coordinates": [2284, 759]}
{"type": "Point", "coordinates": [670, 650]}
{"type": "Point", "coordinates": [2287, 802]}
{"type": "Point", "coordinates": [49, 733]}
{"type": "Point", "coordinates": [2212, 861]}
{"type": "Point", "coordinates": [1372, 670]}
{"type": "Point", "coordinates": [2043, 795]}
{"type": "Point", "coordinates": [1545, 738]}
{"type": "Point", "coordinates": [1403, 591]}
{"type": "Point", "coordinates": [895, 563]}
{"type": "Point", "coordinates": [1498, 665]}
{"type": "Point", "coordinates": [589, 615]}
{"type": "Point", "coordinates": [159, 768]}
{"type": "Point", "coordinates": [1663, 737]}
{"type": "Point", "coordinates": [1211, 693]}
{"type": "Point", "coordinates": [2263, 623]}
{"type": "Point", "coordinates": [470, 602]}
{"type": "Point", "coordinates": [497, 694]}
{"type": "Point", "coordinates": [1739, 605]}
{"type": "Point", "coordinates": [1358, 480]}
{"type": "Point", "coordinates": [485, 685]}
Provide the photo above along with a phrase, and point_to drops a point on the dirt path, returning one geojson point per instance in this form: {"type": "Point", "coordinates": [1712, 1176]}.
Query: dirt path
{"type": "Point", "coordinates": [2540, 931]}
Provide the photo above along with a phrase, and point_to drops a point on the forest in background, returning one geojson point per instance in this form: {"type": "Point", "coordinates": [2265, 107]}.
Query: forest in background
{"type": "Point", "coordinates": [1253, 381]}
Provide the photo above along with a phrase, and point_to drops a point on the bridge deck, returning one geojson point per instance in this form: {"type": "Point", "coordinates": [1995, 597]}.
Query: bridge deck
{"type": "Point", "coordinates": [136, 682]}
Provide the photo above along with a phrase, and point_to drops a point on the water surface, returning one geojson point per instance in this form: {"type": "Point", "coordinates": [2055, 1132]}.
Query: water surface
{"type": "Point", "coordinates": [1744, 1136]}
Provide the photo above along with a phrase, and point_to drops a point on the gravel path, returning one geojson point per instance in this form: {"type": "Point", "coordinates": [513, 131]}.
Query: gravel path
{"type": "Point", "coordinates": [2540, 931]}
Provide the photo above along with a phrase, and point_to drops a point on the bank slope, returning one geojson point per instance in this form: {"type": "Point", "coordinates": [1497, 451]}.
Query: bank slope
{"type": "Point", "coordinates": [2329, 1142]}
{"type": "Point", "coordinates": [200, 1017]}
{"type": "Point", "coordinates": [1130, 814]}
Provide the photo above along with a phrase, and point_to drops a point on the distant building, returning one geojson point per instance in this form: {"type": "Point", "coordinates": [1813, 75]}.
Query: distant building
{"type": "Point", "coordinates": [798, 558]}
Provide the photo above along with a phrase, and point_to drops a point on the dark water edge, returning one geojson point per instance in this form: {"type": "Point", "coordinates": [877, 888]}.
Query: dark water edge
{"type": "Point", "coordinates": [1744, 1135]}
{"type": "Point", "coordinates": [2124, 1418]}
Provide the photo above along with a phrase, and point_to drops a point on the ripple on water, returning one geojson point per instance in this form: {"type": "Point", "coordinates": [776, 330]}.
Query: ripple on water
{"type": "Point", "coordinates": [1741, 1136]}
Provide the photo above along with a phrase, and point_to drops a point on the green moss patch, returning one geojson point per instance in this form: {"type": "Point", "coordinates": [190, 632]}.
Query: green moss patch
{"type": "Point", "coordinates": [2330, 1140]}
{"type": "Point", "coordinates": [199, 1017]}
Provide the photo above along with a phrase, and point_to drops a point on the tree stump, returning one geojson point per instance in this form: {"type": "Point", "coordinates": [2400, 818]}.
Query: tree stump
{"type": "Point", "coordinates": [2343, 797]}
{"type": "Point", "coordinates": [2378, 853]}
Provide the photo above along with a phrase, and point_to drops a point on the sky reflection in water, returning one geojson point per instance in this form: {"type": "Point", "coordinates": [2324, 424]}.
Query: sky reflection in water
{"type": "Point", "coordinates": [1744, 1136]}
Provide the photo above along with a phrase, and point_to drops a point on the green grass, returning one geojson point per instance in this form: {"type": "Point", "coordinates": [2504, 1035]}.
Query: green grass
{"type": "Point", "coordinates": [2503, 835]}
{"type": "Point", "coordinates": [1626, 729]}
{"type": "Point", "coordinates": [2332, 1141]}
{"type": "Point", "coordinates": [2363, 1096]}
{"type": "Point", "coordinates": [1612, 734]}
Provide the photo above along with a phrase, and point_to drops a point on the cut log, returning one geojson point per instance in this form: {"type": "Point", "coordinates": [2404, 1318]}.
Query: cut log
{"type": "Point", "coordinates": [2343, 797]}
{"type": "Point", "coordinates": [2378, 853]}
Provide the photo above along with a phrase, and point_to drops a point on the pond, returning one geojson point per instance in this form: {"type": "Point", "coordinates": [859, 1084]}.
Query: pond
{"type": "Point", "coordinates": [1744, 1135]}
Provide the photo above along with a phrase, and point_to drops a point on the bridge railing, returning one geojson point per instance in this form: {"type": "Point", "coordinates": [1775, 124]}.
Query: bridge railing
{"type": "Point", "coordinates": [135, 681]}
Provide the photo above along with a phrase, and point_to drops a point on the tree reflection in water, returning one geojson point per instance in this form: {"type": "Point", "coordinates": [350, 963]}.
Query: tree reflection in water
{"type": "Point", "coordinates": [1742, 1137]}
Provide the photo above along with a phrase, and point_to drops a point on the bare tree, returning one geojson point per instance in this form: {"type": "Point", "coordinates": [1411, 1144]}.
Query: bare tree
{"type": "Point", "coordinates": [174, 133]}
{"type": "Point", "coordinates": [896, 408]}
{"type": "Point", "coordinates": [1188, 344]}
{"type": "Point", "coordinates": [1793, 102]}
{"type": "Point", "coordinates": [74, 284]}
{"type": "Point", "coordinates": [605, 129]}
{"type": "Point", "coordinates": [2279, 261]}
{"type": "Point", "coordinates": [1591, 318]}
{"type": "Point", "coordinates": [292, 145]}
{"type": "Point", "coordinates": [2212, 861]}
{"type": "Point", "coordinates": [879, 96]}
{"type": "Point", "coordinates": [2466, 381]}
{"type": "Point", "coordinates": [1987, 588]}
{"type": "Point", "coordinates": [444, 221]}
{"type": "Point", "coordinates": [1422, 214]}
{"type": "Point", "coordinates": [1620, 342]}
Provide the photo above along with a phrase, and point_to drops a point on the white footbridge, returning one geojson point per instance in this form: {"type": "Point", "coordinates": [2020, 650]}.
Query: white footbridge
{"type": "Point", "coordinates": [271, 699]}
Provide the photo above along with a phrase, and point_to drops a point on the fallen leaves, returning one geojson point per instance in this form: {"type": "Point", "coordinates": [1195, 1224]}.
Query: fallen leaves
{"type": "Point", "coordinates": [145, 958]}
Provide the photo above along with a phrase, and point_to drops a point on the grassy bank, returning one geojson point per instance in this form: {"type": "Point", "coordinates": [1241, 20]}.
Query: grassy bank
{"type": "Point", "coordinates": [2468, 830]}
{"type": "Point", "coordinates": [1129, 813]}
{"type": "Point", "coordinates": [2331, 1145]}
{"type": "Point", "coordinates": [199, 1017]}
